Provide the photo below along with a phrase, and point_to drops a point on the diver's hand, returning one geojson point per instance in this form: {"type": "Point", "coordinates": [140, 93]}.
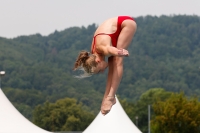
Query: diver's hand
{"type": "Point", "coordinates": [123, 52]}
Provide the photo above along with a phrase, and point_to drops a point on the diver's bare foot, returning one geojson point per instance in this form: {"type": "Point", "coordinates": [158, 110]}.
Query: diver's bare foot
{"type": "Point", "coordinates": [107, 104]}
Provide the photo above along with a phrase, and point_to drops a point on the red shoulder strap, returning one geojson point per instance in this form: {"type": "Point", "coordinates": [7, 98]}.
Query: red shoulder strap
{"type": "Point", "coordinates": [94, 40]}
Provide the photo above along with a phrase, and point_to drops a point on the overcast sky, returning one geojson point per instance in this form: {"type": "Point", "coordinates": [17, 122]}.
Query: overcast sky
{"type": "Point", "coordinates": [26, 17]}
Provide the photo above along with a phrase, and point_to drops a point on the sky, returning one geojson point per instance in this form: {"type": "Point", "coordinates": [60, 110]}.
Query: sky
{"type": "Point", "coordinates": [28, 17]}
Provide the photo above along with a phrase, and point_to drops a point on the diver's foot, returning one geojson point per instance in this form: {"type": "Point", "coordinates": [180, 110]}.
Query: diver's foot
{"type": "Point", "coordinates": [107, 104]}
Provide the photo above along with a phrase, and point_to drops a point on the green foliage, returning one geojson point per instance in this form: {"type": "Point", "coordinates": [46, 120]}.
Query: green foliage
{"type": "Point", "coordinates": [25, 100]}
{"type": "Point", "coordinates": [140, 108]}
{"type": "Point", "coordinates": [177, 114]}
{"type": "Point", "coordinates": [164, 53]}
{"type": "Point", "coordinates": [63, 115]}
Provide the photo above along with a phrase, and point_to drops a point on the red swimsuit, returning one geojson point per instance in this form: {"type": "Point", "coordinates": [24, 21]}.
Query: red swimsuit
{"type": "Point", "coordinates": [114, 36]}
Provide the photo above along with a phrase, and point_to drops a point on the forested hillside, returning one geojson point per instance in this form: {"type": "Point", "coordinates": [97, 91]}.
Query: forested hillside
{"type": "Point", "coordinates": [164, 53]}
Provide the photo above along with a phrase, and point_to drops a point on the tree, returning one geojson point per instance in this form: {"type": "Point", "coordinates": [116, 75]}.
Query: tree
{"type": "Point", "coordinates": [178, 114]}
{"type": "Point", "coordinates": [63, 115]}
{"type": "Point", "coordinates": [148, 98]}
{"type": "Point", "coordinates": [140, 109]}
{"type": "Point", "coordinates": [164, 53]}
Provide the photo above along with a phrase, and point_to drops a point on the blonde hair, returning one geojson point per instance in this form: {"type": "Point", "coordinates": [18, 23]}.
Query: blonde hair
{"type": "Point", "coordinates": [85, 62]}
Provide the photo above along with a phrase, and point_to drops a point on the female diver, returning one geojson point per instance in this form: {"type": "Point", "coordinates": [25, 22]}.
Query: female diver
{"type": "Point", "coordinates": [110, 40]}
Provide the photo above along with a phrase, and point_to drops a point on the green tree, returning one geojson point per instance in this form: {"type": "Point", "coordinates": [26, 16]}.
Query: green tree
{"type": "Point", "coordinates": [178, 114]}
{"type": "Point", "coordinates": [140, 109]}
{"type": "Point", "coordinates": [164, 53]}
{"type": "Point", "coordinates": [148, 98]}
{"type": "Point", "coordinates": [63, 115]}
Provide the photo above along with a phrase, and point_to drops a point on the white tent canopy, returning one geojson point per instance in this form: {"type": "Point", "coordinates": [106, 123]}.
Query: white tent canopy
{"type": "Point", "coordinates": [116, 121]}
{"type": "Point", "coordinates": [11, 121]}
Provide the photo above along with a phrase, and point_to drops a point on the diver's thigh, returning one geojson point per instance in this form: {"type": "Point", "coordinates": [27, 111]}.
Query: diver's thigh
{"type": "Point", "coordinates": [126, 35]}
